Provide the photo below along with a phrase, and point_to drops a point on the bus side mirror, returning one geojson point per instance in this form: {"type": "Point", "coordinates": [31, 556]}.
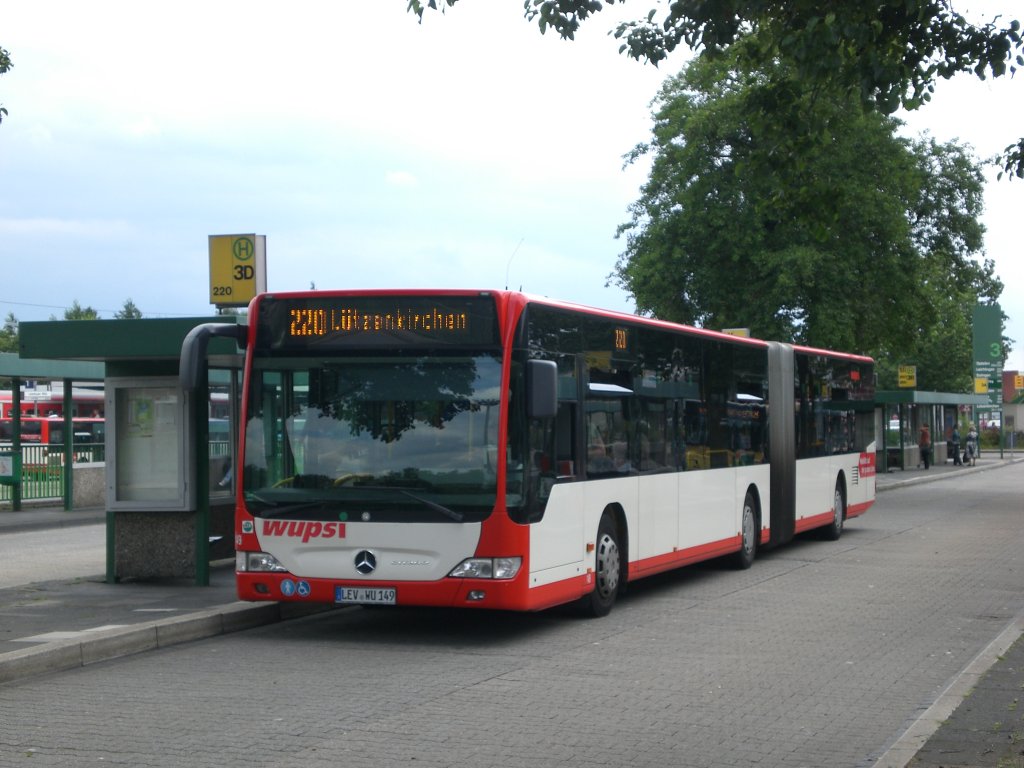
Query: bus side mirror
{"type": "Point", "coordinates": [541, 389]}
{"type": "Point", "coordinates": [193, 349]}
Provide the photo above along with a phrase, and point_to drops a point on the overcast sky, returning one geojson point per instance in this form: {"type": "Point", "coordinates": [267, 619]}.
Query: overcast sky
{"type": "Point", "coordinates": [371, 151]}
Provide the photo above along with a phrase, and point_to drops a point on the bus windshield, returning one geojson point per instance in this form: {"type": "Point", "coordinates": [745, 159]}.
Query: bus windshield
{"type": "Point", "coordinates": [383, 438]}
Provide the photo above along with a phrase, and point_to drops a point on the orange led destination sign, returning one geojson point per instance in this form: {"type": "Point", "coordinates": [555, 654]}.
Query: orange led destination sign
{"type": "Point", "coordinates": [324, 322]}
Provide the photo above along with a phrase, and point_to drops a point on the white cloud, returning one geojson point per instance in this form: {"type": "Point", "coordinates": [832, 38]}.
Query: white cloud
{"type": "Point", "coordinates": [142, 128]}
{"type": "Point", "coordinates": [63, 228]}
{"type": "Point", "coordinates": [401, 179]}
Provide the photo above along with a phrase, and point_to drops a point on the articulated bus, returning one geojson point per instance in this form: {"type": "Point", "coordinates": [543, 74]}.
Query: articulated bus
{"type": "Point", "coordinates": [493, 450]}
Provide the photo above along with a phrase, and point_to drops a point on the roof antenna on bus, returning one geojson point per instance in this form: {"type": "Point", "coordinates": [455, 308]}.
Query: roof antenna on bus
{"type": "Point", "coordinates": [509, 262]}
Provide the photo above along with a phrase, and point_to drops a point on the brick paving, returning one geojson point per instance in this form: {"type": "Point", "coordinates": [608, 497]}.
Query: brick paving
{"type": "Point", "coordinates": [823, 654]}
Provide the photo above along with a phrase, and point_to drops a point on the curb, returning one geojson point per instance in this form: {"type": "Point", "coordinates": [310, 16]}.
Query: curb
{"type": "Point", "coordinates": [147, 636]}
{"type": "Point", "coordinates": [890, 485]}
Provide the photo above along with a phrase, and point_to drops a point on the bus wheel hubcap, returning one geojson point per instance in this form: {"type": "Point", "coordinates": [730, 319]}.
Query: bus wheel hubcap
{"type": "Point", "coordinates": [748, 529]}
{"type": "Point", "coordinates": [607, 565]}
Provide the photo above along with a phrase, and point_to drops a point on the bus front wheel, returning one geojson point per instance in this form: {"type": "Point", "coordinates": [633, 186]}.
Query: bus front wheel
{"type": "Point", "coordinates": [607, 570]}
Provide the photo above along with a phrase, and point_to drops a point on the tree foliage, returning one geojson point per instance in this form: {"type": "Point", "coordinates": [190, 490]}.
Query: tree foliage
{"type": "Point", "coordinates": [77, 312]}
{"type": "Point", "coordinates": [886, 53]}
{"type": "Point", "coordinates": [5, 66]}
{"type": "Point", "coordinates": [862, 241]}
{"type": "Point", "coordinates": [9, 334]}
{"type": "Point", "coordinates": [128, 312]}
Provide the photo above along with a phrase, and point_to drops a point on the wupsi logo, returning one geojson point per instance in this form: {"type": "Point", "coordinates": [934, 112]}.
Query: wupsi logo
{"type": "Point", "coordinates": [303, 529]}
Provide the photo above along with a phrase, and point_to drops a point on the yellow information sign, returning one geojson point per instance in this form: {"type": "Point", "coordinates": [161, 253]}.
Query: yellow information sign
{"type": "Point", "coordinates": [907, 376]}
{"type": "Point", "coordinates": [237, 269]}
{"type": "Point", "coordinates": [981, 386]}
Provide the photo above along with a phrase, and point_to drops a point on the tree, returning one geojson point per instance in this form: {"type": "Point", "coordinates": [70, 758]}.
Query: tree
{"type": "Point", "coordinates": [9, 334]}
{"type": "Point", "coordinates": [5, 66]}
{"type": "Point", "coordinates": [128, 312]}
{"type": "Point", "coordinates": [886, 53]}
{"type": "Point", "coordinates": [824, 249]}
{"type": "Point", "coordinates": [947, 236]}
{"type": "Point", "coordinates": [77, 312]}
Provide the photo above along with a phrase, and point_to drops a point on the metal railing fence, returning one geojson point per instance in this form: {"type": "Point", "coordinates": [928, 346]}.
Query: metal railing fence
{"type": "Point", "coordinates": [42, 469]}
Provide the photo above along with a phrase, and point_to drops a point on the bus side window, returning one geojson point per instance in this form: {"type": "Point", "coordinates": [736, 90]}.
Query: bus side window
{"type": "Point", "coordinates": [598, 459]}
{"type": "Point", "coordinates": [565, 440]}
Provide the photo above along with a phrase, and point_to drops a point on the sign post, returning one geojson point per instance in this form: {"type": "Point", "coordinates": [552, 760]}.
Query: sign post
{"type": "Point", "coordinates": [988, 360]}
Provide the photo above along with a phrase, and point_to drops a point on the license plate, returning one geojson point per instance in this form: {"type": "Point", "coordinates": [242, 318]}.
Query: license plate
{"type": "Point", "coordinates": [366, 595]}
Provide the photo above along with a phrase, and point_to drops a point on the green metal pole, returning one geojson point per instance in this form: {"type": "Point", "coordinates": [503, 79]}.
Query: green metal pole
{"type": "Point", "coordinates": [16, 443]}
{"type": "Point", "coordinates": [201, 449]}
{"type": "Point", "coordinates": [69, 447]}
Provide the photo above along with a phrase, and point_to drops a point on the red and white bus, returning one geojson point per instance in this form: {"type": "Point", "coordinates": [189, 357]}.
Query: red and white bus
{"type": "Point", "coordinates": [493, 450]}
{"type": "Point", "coordinates": [49, 402]}
{"type": "Point", "coordinates": [41, 438]}
{"type": "Point", "coordinates": [50, 431]}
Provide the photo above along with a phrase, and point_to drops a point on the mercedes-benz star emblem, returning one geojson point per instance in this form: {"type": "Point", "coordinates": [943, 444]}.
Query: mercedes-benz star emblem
{"type": "Point", "coordinates": [366, 562]}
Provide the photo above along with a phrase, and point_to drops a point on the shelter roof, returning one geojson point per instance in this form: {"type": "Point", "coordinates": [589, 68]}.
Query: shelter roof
{"type": "Point", "coordinates": [115, 340]}
{"type": "Point", "coordinates": [895, 396]}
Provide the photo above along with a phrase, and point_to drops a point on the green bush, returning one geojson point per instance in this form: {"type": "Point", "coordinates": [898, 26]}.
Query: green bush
{"type": "Point", "coordinates": [989, 439]}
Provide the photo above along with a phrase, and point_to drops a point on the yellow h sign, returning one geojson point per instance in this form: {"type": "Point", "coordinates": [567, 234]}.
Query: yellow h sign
{"type": "Point", "coordinates": [238, 265]}
{"type": "Point", "coordinates": [907, 376]}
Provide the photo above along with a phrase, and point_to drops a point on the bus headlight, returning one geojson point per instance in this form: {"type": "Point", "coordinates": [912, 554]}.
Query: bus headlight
{"type": "Point", "coordinates": [257, 562]}
{"type": "Point", "coordinates": [487, 568]}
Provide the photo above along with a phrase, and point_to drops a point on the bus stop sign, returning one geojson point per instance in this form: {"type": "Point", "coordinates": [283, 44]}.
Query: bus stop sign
{"type": "Point", "coordinates": [238, 269]}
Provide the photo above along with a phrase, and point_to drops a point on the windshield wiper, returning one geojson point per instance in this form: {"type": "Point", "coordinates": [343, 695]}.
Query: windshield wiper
{"type": "Point", "coordinates": [458, 517]}
{"type": "Point", "coordinates": [275, 510]}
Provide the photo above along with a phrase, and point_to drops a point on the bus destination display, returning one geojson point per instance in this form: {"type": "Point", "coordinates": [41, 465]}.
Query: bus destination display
{"type": "Point", "coordinates": [376, 321]}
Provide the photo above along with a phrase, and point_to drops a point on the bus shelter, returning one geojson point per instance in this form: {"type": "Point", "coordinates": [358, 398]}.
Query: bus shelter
{"type": "Point", "coordinates": [169, 453]}
{"type": "Point", "coordinates": [900, 414]}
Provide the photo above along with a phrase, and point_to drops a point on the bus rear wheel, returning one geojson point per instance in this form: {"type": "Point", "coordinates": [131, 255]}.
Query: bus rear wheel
{"type": "Point", "coordinates": [834, 530]}
{"type": "Point", "coordinates": [748, 534]}
{"type": "Point", "coordinates": [607, 570]}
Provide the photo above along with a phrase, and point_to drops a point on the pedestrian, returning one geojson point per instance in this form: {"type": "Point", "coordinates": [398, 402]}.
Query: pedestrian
{"type": "Point", "coordinates": [954, 440]}
{"type": "Point", "coordinates": [972, 444]}
{"type": "Point", "coordinates": [924, 442]}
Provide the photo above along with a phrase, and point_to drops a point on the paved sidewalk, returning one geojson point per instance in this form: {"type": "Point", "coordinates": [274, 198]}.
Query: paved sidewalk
{"type": "Point", "coordinates": [899, 478]}
{"type": "Point", "coordinates": [986, 730]}
{"type": "Point", "coordinates": [977, 721]}
{"type": "Point", "coordinates": [51, 626]}
{"type": "Point", "coordinates": [56, 625]}
{"type": "Point", "coordinates": [31, 518]}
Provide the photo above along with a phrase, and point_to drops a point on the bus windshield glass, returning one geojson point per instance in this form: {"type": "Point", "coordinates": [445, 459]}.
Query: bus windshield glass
{"type": "Point", "coordinates": [374, 438]}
